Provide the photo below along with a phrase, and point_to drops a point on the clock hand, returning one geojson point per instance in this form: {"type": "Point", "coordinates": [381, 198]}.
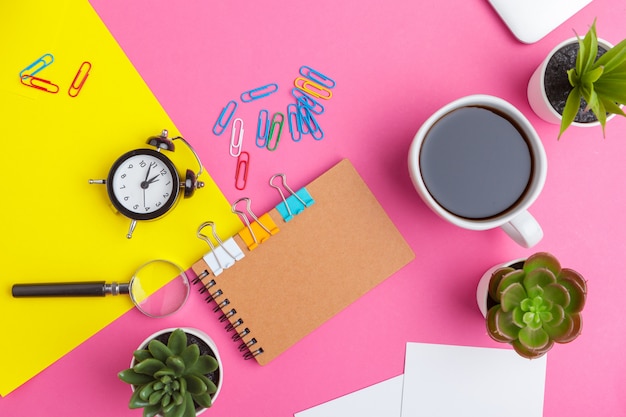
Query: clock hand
{"type": "Point", "coordinates": [153, 179]}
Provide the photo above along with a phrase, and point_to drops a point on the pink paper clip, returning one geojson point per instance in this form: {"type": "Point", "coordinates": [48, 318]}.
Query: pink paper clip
{"type": "Point", "coordinates": [241, 172]}
{"type": "Point", "coordinates": [77, 83]}
{"type": "Point", "coordinates": [39, 84]}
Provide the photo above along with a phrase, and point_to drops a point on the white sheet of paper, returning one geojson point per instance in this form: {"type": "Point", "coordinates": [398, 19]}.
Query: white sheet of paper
{"type": "Point", "coordinates": [445, 380]}
{"type": "Point", "coordinates": [379, 400]}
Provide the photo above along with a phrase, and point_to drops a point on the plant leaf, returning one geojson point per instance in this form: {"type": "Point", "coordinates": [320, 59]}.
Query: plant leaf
{"type": "Point", "coordinates": [531, 353]}
{"type": "Point", "coordinates": [177, 341]}
{"type": "Point", "coordinates": [190, 408]}
{"type": "Point", "coordinates": [576, 286]}
{"type": "Point", "coordinates": [494, 282]}
{"type": "Point", "coordinates": [516, 276]}
{"type": "Point", "coordinates": [614, 58]}
{"type": "Point", "coordinates": [204, 365]}
{"type": "Point", "coordinates": [141, 355]}
{"type": "Point", "coordinates": [149, 366]}
{"type": "Point", "coordinates": [556, 294]}
{"type": "Point", "coordinates": [501, 325]}
{"type": "Point", "coordinates": [195, 385]}
{"type": "Point", "coordinates": [571, 109]}
{"type": "Point", "coordinates": [542, 260]}
{"type": "Point", "coordinates": [131, 377]}
{"type": "Point", "coordinates": [534, 339]}
{"type": "Point", "coordinates": [159, 350]}
{"type": "Point", "coordinates": [136, 401]}
{"type": "Point", "coordinates": [190, 355]}
{"type": "Point", "coordinates": [536, 279]}
{"type": "Point", "coordinates": [203, 400]}
{"type": "Point", "coordinates": [176, 364]}
{"type": "Point", "coordinates": [151, 410]}
{"type": "Point", "coordinates": [512, 296]}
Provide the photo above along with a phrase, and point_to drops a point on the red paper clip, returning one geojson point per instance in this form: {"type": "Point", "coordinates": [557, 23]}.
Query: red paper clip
{"type": "Point", "coordinates": [77, 83]}
{"type": "Point", "coordinates": [241, 173]}
{"type": "Point", "coordinates": [39, 84]}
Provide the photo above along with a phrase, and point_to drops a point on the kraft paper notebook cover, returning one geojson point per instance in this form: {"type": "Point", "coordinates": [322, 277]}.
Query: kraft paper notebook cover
{"type": "Point", "coordinates": [56, 227]}
{"type": "Point", "coordinates": [314, 266]}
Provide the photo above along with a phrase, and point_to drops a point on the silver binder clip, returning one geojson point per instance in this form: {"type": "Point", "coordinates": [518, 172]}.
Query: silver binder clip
{"type": "Point", "coordinates": [284, 181]}
{"type": "Point", "coordinates": [220, 257]}
{"type": "Point", "coordinates": [244, 217]}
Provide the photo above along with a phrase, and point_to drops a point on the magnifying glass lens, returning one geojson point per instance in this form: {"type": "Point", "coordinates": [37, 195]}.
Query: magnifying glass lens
{"type": "Point", "coordinates": [159, 288]}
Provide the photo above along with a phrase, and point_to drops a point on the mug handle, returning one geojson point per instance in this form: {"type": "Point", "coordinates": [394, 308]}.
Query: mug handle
{"type": "Point", "coordinates": [524, 230]}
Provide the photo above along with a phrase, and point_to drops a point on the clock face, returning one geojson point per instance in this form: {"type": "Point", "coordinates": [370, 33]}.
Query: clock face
{"type": "Point", "coordinates": [143, 184]}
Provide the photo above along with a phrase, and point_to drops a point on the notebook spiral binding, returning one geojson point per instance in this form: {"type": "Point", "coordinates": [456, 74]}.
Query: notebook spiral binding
{"type": "Point", "coordinates": [249, 348]}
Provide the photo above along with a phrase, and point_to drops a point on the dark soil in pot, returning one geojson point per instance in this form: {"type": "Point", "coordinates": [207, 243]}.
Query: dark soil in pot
{"type": "Point", "coordinates": [557, 85]}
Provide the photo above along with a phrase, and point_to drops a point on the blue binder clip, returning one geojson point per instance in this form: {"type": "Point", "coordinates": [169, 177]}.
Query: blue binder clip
{"type": "Point", "coordinates": [295, 203]}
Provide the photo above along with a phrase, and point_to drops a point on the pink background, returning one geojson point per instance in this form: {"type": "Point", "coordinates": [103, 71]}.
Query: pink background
{"type": "Point", "coordinates": [395, 63]}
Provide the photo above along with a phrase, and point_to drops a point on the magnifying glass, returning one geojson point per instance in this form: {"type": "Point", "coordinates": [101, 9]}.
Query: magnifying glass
{"type": "Point", "coordinates": [158, 288]}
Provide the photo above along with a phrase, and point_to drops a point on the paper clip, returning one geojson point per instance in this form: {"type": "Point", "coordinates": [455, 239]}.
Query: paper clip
{"type": "Point", "coordinates": [77, 83]}
{"type": "Point", "coordinates": [39, 64]}
{"type": "Point", "coordinates": [235, 146]}
{"type": "Point", "coordinates": [317, 77]}
{"type": "Point", "coordinates": [309, 121]}
{"type": "Point", "coordinates": [224, 117]}
{"type": "Point", "coordinates": [244, 217]}
{"type": "Point", "coordinates": [264, 124]}
{"type": "Point", "coordinates": [313, 88]}
{"type": "Point", "coordinates": [40, 84]}
{"type": "Point", "coordinates": [293, 118]}
{"type": "Point", "coordinates": [277, 120]}
{"type": "Point", "coordinates": [293, 194]}
{"type": "Point", "coordinates": [258, 93]}
{"type": "Point", "coordinates": [241, 172]}
{"type": "Point", "coordinates": [307, 100]}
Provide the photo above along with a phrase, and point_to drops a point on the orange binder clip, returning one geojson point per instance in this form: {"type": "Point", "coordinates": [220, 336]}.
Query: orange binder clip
{"type": "Point", "coordinates": [257, 232]}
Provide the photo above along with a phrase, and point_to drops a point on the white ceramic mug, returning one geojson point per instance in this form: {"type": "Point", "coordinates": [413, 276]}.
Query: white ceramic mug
{"type": "Point", "coordinates": [516, 221]}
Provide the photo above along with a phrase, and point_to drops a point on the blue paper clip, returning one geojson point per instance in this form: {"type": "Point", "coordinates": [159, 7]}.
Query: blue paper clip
{"type": "Point", "coordinates": [293, 117]}
{"type": "Point", "coordinates": [317, 76]}
{"type": "Point", "coordinates": [262, 129]}
{"type": "Point", "coordinates": [258, 93]}
{"type": "Point", "coordinates": [224, 118]}
{"type": "Point", "coordinates": [41, 63]}
{"type": "Point", "coordinates": [307, 100]}
{"type": "Point", "coordinates": [311, 123]}
{"type": "Point", "coordinates": [277, 120]}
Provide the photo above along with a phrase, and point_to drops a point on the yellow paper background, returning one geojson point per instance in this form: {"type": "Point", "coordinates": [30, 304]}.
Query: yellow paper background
{"type": "Point", "coordinates": [56, 226]}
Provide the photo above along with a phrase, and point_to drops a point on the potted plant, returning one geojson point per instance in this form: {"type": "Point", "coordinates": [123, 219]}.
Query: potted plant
{"type": "Point", "coordinates": [532, 303]}
{"type": "Point", "coordinates": [582, 82]}
{"type": "Point", "coordinates": [174, 373]}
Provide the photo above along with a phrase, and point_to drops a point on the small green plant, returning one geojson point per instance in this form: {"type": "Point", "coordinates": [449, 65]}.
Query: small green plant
{"type": "Point", "coordinates": [600, 82]}
{"type": "Point", "coordinates": [170, 379]}
{"type": "Point", "coordinates": [536, 306]}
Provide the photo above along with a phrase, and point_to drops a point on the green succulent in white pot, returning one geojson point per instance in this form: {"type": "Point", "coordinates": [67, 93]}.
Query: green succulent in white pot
{"type": "Point", "coordinates": [174, 373]}
{"type": "Point", "coordinates": [581, 82]}
{"type": "Point", "coordinates": [532, 303]}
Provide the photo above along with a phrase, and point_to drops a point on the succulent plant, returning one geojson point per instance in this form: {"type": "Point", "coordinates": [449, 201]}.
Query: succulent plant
{"type": "Point", "coordinates": [536, 306]}
{"type": "Point", "coordinates": [600, 82]}
{"type": "Point", "coordinates": [170, 379]}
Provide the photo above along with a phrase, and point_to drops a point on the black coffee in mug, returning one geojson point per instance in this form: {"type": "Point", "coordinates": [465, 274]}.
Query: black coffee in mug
{"type": "Point", "coordinates": [476, 163]}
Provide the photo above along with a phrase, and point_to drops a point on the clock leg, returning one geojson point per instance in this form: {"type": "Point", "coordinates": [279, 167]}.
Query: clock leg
{"type": "Point", "coordinates": [131, 229]}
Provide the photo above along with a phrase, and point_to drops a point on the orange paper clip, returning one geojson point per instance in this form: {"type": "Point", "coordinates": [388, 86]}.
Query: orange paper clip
{"type": "Point", "coordinates": [313, 88]}
{"type": "Point", "coordinates": [241, 172]}
{"type": "Point", "coordinates": [79, 79]}
{"type": "Point", "coordinates": [39, 84]}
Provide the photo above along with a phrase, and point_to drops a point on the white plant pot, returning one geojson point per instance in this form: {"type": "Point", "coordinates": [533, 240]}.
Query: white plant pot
{"type": "Point", "coordinates": [482, 291]}
{"type": "Point", "coordinates": [536, 91]}
{"type": "Point", "coordinates": [200, 335]}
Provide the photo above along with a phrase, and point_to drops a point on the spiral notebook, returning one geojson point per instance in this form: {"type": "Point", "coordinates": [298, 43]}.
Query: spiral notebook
{"type": "Point", "coordinates": [306, 264]}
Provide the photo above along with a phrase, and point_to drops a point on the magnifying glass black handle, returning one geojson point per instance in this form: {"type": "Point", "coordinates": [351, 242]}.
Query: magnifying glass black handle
{"type": "Point", "coordinates": [69, 289]}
